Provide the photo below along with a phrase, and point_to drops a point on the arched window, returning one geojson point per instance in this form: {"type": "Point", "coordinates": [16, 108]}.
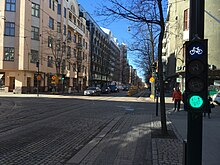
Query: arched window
{"type": "Point", "coordinates": [73, 9]}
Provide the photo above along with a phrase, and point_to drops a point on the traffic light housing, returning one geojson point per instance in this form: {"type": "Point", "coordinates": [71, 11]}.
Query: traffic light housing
{"type": "Point", "coordinates": [196, 75]}
{"type": "Point", "coordinates": [63, 77]}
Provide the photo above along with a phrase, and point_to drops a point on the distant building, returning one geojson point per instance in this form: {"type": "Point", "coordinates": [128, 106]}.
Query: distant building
{"type": "Point", "coordinates": [124, 65]}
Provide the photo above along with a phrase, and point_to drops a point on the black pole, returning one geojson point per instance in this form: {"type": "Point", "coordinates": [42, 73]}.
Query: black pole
{"type": "Point", "coordinates": [37, 65]}
{"type": "Point", "coordinates": [157, 104]}
{"type": "Point", "coordinates": [194, 131]}
{"type": "Point", "coordinates": [62, 86]}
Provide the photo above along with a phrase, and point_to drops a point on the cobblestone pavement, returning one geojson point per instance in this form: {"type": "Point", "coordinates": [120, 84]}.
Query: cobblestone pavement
{"type": "Point", "coordinates": [49, 131]}
{"type": "Point", "coordinates": [127, 143]}
{"type": "Point", "coordinates": [167, 150]}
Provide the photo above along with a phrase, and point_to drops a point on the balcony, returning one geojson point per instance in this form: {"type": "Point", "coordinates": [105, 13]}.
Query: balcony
{"type": "Point", "coordinates": [75, 28]}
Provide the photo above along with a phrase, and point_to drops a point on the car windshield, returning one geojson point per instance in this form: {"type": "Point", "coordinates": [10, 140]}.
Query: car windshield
{"type": "Point", "coordinates": [91, 88]}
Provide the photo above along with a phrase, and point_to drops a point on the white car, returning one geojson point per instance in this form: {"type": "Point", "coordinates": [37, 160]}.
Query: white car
{"type": "Point", "coordinates": [216, 98]}
{"type": "Point", "coordinates": [92, 91]}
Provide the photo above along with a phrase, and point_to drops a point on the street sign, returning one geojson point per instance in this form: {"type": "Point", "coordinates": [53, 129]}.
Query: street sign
{"type": "Point", "coordinates": [196, 75]}
{"type": "Point", "coordinates": [54, 77]}
{"type": "Point", "coordinates": [38, 77]}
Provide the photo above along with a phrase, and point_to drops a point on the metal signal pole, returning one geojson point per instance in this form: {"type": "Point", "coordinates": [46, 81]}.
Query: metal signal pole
{"type": "Point", "coordinates": [195, 120]}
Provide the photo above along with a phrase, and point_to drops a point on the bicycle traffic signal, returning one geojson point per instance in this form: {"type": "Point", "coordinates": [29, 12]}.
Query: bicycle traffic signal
{"type": "Point", "coordinates": [196, 75]}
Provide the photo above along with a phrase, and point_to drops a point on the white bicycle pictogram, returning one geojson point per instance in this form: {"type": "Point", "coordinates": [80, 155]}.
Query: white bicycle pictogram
{"type": "Point", "coordinates": [196, 50]}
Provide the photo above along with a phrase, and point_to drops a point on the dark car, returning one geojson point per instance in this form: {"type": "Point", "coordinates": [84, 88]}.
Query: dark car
{"type": "Point", "coordinates": [105, 89]}
{"type": "Point", "coordinates": [113, 88]}
{"type": "Point", "coordinates": [125, 88]}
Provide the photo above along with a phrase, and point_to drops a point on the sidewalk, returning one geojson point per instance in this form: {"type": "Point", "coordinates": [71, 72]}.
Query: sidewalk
{"type": "Point", "coordinates": [132, 140]}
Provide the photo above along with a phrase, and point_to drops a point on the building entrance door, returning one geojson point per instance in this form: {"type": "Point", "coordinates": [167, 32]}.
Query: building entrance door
{"type": "Point", "coordinates": [11, 84]}
{"type": "Point", "coordinates": [28, 84]}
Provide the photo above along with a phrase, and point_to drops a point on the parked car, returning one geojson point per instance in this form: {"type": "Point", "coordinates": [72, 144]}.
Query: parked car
{"type": "Point", "coordinates": [125, 88]}
{"type": "Point", "coordinates": [92, 91]}
{"type": "Point", "coordinates": [113, 88]}
{"type": "Point", "coordinates": [105, 89]}
{"type": "Point", "coordinates": [216, 98]}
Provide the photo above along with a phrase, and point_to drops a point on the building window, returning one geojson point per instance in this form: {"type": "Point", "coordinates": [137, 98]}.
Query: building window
{"type": "Point", "coordinates": [68, 66]}
{"type": "Point", "coordinates": [9, 54]}
{"type": "Point", "coordinates": [9, 28]}
{"type": "Point", "coordinates": [35, 33]}
{"type": "Point", "coordinates": [64, 29]}
{"type": "Point", "coordinates": [50, 61]}
{"type": "Point", "coordinates": [51, 23]}
{"type": "Point", "coordinates": [64, 12]}
{"type": "Point", "coordinates": [10, 5]}
{"type": "Point", "coordinates": [53, 5]}
{"type": "Point", "coordinates": [69, 35]}
{"type": "Point", "coordinates": [68, 52]}
{"type": "Point", "coordinates": [58, 27]}
{"type": "Point", "coordinates": [70, 16]}
{"type": "Point", "coordinates": [35, 10]}
{"type": "Point", "coordinates": [59, 9]}
{"type": "Point", "coordinates": [186, 20]}
{"type": "Point", "coordinates": [50, 42]}
{"type": "Point", "coordinates": [84, 43]}
{"type": "Point", "coordinates": [50, 4]}
{"type": "Point", "coordinates": [74, 67]}
{"type": "Point", "coordinates": [74, 52]}
{"type": "Point", "coordinates": [74, 38]}
{"type": "Point", "coordinates": [34, 56]}
{"type": "Point", "coordinates": [73, 9]}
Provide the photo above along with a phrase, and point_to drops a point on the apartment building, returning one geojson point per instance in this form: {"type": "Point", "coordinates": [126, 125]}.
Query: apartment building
{"type": "Point", "coordinates": [104, 55]}
{"type": "Point", "coordinates": [177, 33]}
{"type": "Point", "coordinates": [43, 44]}
{"type": "Point", "coordinates": [124, 65]}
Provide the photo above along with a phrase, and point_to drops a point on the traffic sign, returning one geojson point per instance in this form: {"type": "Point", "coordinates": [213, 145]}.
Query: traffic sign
{"type": "Point", "coordinates": [38, 77]}
{"type": "Point", "coordinates": [54, 77]}
{"type": "Point", "coordinates": [152, 79]}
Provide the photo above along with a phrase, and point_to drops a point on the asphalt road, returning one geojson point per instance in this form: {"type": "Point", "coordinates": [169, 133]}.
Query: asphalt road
{"type": "Point", "coordinates": [51, 130]}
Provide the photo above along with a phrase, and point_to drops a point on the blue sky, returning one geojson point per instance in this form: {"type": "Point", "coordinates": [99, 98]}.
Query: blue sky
{"type": "Point", "coordinates": [119, 28]}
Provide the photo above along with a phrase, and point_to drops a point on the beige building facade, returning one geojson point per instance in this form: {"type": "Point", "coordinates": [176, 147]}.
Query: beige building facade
{"type": "Point", "coordinates": [50, 33]}
{"type": "Point", "coordinates": [177, 33]}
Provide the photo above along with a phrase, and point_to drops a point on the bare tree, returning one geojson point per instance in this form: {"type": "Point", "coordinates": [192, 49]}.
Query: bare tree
{"type": "Point", "coordinates": [144, 44]}
{"type": "Point", "coordinates": [143, 12]}
{"type": "Point", "coordinates": [56, 55]}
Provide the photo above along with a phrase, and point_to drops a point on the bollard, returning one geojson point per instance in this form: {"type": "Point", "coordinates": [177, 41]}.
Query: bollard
{"type": "Point", "coordinates": [184, 152]}
{"type": "Point", "coordinates": [157, 95]}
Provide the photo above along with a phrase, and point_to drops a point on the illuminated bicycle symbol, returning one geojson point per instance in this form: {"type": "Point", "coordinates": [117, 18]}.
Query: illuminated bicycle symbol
{"type": "Point", "coordinates": [196, 50]}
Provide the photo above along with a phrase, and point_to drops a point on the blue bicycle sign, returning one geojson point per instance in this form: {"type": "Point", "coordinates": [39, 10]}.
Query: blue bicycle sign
{"type": "Point", "coordinates": [195, 50]}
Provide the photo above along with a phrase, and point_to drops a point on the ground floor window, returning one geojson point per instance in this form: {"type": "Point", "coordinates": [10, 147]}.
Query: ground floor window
{"type": "Point", "coordinates": [2, 79]}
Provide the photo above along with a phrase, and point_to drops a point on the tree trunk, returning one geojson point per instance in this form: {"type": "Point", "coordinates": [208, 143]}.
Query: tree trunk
{"type": "Point", "coordinates": [160, 67]}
